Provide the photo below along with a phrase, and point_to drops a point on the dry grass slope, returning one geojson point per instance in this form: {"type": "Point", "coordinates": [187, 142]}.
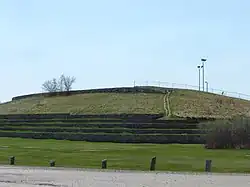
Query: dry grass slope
{"type": "Point", "coordinates": [93, 103]}
{"type": "Point", "coordinates": [183, 103]}
{"type": "Point", "coordinates": [187, 103]}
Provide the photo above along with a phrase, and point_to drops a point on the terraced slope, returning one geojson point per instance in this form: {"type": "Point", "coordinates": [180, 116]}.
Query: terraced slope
{"type": "Point", "coordinates": [126, 129]}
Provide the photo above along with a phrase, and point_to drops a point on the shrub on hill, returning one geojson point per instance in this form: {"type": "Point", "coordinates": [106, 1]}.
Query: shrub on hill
{"type": "Point", "coordinates": [227, 134]}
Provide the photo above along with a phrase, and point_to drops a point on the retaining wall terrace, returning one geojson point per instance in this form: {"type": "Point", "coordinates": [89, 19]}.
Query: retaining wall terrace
{"type": "Point", "coordinates": [71, 116]}
{"type": "Point", "coordinates": [118, 138]}
{"type": "Point", "coordinates": [110, 125]}
{"type": "Point", "coordinates": [103, 130]}
{"type": "Point", "coordinates": [140, 128]}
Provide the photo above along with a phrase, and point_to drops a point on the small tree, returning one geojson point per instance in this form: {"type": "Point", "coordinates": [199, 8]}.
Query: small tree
{"type": "Point", "coordinates": [64, 83]}
{"type": "Point", "coordinates": [60, 84]}
{"type": "Point", "coordinates": [67, 82]}
{"type": "Point", "coordinates": [50, 86]}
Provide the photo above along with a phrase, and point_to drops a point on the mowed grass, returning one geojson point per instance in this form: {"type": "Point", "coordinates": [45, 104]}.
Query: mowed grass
{"type": "Point", "coordinates": [121, 156]}
{"type": "Point", "coordinates": [188, 103]}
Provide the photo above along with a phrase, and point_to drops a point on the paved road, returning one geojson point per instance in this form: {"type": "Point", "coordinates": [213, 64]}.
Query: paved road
{"type": "Point", "coordinates": [31, 177]}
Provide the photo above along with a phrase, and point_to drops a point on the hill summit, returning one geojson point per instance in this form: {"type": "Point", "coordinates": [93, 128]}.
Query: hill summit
{"type": "Point", "coordinates": [138, 100]}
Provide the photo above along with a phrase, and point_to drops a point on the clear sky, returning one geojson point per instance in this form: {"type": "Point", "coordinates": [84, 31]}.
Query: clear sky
{"type": "Point", "coordinates": [114, 42]}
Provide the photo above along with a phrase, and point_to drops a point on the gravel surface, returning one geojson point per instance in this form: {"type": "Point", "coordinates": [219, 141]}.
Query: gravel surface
{"type": "Point", "coordinates": [58, 177]}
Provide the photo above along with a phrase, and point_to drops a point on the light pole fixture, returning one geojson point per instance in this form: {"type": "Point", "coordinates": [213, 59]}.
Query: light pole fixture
{"type": "Point", "coordinates": [206, 86]}
{"type": "Point", "coordinates": [199, 68]}
{"type": "Point", "coordinates": [203, 60]}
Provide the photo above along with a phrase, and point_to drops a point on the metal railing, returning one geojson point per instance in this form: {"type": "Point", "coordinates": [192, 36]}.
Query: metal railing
{"type": "Point", "coordinates": [191, 87]}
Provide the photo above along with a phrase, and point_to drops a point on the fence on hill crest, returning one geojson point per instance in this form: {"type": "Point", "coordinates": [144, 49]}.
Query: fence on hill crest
{"type": "Point", "coordinates": [191, 87]}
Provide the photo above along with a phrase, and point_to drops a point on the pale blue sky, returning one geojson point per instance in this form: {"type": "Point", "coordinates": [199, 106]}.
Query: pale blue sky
{"type": "Point", "coordinates": [106, 43]}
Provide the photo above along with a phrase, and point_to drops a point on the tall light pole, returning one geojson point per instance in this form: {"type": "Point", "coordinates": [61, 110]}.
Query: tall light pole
{"type": "Point", "coordinates": [206, 86]}
{"type": "Point", "coordinates": [203, 72]}
{"type": "Point", "coordinates": [199, 68]}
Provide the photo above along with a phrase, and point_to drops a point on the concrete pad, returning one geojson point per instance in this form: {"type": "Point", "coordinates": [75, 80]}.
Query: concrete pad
{"type": "Point", "coordinates": [60, 177]}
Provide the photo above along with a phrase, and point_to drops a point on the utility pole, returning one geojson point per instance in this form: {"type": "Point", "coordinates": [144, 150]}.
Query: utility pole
{"type": "Point", "coordinates": [199, 68]}
{"type": "Point", "coordinates": [203, 73]}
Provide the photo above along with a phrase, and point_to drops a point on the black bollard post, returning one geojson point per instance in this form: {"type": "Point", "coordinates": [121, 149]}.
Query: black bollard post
{"type": "Point", "coordinates": [152, 164]}
{"type": "Point", "coordinates": [104, 164]}
{"type": "Point", "coordinates": [52, 163]}
{"type": "Point", "coordinates": [208, 165]}
{"type": "Point", "coordinates": [12, 160]}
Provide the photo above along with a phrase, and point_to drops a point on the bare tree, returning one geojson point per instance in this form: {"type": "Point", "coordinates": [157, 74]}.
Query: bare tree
{"type": "Point", "coordinates": [60, 83]}
{"type": "Point", "coordinates": [64, 83]}
{"type": "Point", "coordinates": [50, 86]}
{"type": "Point", "coordinates": [67, 82]}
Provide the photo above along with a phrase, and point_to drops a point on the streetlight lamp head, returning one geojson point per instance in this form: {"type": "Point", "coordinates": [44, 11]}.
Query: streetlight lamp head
{"type": "Point", "coordinates": [198, 66]}
{"type": "Point", "coordinates": [203, 60]}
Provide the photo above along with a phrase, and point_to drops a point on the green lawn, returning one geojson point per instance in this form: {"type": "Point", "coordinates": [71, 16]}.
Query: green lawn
{"type": "Point", "coordinates": [122, 156]}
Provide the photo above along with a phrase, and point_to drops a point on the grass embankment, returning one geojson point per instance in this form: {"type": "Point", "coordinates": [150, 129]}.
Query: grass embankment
{"type": "Point", "coordinates": [121, 156]}
{"type": "Point", "coordinates": [187, 103]}
{"type": "Point", "coordinates": [91, 103]}
{"type": "Point", "coordinates": [183, 103]}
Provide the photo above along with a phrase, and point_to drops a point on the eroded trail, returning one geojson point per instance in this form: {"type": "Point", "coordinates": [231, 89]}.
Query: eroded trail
{"type": "Point", "coordinates": [25, 177]}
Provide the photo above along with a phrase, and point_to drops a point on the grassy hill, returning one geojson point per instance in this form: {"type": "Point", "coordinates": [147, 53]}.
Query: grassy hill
{"type": "Point", "coordinates": [151, 100]}
{"type": "Point", "coordinates": [187, 103]}
{"type": "Point", "coordinates": [141, 108]}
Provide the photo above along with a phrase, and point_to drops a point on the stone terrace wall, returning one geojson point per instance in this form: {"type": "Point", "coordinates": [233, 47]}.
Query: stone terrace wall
{"type": "Point", "coordinates": [69, 116]}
